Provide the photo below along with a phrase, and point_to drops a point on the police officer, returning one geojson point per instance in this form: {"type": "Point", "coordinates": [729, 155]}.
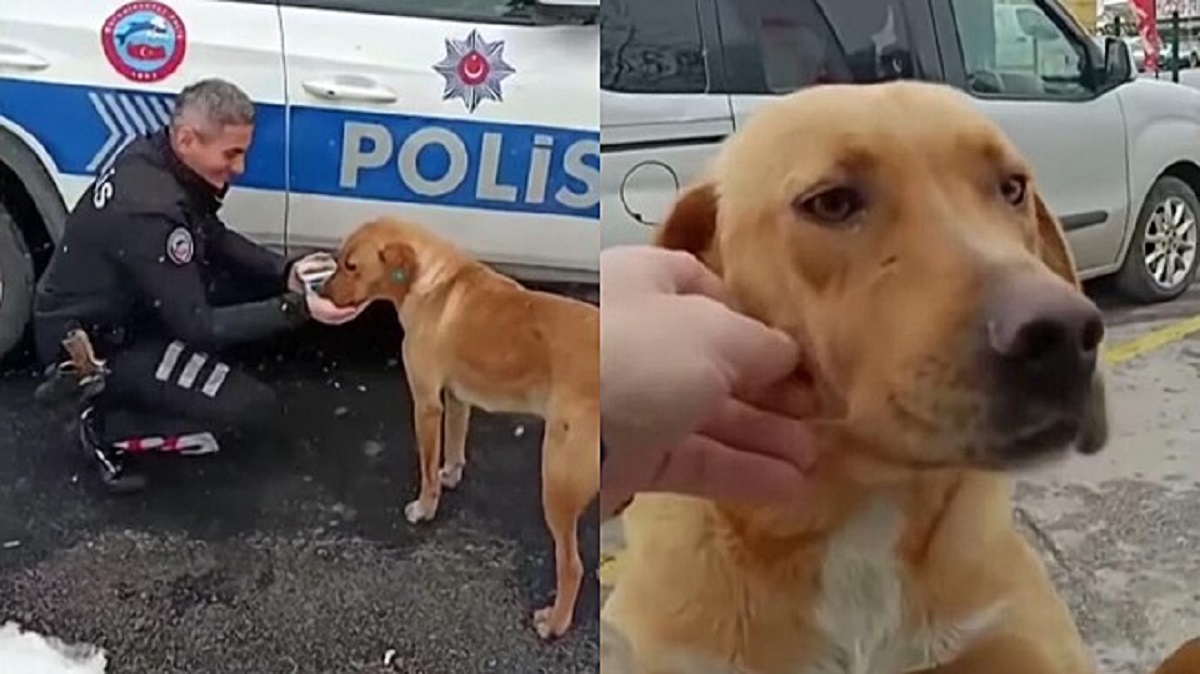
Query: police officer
{"type": "Point", "coordinates": [153, 276]}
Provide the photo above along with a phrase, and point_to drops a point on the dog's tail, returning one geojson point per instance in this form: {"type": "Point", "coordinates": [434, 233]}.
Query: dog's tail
{"type": "Point", "coordinates": [1185, 659]}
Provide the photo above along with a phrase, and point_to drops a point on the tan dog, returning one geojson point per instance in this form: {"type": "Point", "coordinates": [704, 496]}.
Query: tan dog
{"type": "Point", "coordinates": [898, 236]}
{"type": "Point", "coordinates": [473, 337]}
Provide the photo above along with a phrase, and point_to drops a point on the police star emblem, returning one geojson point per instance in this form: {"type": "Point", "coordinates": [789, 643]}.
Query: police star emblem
{"type": "Point", "coordinates": [473, 69]}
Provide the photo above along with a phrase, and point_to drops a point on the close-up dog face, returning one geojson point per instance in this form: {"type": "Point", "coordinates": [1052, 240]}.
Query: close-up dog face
{"type": "Point", "coordinates": [899, 237]}
{"type": "Point", "coordinates": [374, 263]}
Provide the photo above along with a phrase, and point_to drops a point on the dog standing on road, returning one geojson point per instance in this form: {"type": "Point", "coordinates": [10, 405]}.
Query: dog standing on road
{"type": "Point", "coordinates": [476, 338]}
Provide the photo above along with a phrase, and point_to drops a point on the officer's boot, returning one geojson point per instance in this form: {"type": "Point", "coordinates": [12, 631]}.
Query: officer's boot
{"type": "Point", "coordinates": [109, 460]}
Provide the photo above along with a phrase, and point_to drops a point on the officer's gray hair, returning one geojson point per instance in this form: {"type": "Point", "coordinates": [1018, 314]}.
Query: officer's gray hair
{"type": "Point", "coordinates": [213, 103]}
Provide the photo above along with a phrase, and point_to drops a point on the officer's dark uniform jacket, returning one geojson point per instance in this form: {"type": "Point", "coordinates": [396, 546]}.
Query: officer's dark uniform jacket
{"type": "Point", "coordinates": [138, 255]}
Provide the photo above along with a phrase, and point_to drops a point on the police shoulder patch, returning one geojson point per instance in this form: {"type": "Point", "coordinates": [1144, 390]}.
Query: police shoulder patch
{"type": "Point", "coordinates": [180, 246]}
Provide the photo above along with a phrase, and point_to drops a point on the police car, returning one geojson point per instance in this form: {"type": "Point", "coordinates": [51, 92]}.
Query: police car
{"type": "Point", "coordinates": [477, 118]}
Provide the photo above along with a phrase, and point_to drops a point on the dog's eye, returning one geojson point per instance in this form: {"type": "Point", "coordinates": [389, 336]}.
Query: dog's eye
{"type": "Point", "coordinates": [1013, 189]}
{"type": "Point", "coordinates": [350, 266]}
{"type": "Point", "coordinates": [833, 206]}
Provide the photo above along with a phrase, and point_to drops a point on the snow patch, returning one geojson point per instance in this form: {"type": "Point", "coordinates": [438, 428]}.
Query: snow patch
{"type": "Point", "coordinates": [26, 652]}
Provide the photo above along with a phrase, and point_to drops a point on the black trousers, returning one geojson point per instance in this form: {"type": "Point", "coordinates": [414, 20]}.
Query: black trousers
{"type": "Point", "coordinates": [162, 394]}
{"type": "Point", "coordinates": [167, 390]}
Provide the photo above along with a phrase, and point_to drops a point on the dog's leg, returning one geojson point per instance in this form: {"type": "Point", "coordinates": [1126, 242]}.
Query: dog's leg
{"type": "Point", "coordinates": [1027, 654]}
{"type": "Point", "coordinates": [427, 413]}
{"type": "Point", "coordinates": [458, 418]}
{"type": "Point", "coordinates": [570, 480]}
{"type": "Point", "coordinates": [1032, 631]}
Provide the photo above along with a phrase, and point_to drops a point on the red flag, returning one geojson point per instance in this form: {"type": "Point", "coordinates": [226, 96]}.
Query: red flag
{"type": "Point", "coordinates": [1146, 12]}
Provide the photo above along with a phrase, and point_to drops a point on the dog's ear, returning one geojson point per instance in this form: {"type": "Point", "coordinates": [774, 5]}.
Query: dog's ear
{"type": "Point", "coordinates": [1053, 248]}
{"type": "Point", "coordinates": [691, 225]}
{"type": "Point", "coordinates": [399, 262]}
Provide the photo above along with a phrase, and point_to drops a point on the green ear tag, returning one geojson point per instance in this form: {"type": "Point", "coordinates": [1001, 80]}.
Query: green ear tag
{"type": "Point", "coordinates": [399, 276]}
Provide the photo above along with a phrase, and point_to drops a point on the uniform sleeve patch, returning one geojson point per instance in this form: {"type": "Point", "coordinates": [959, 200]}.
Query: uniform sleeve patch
{"type": "Point", "coordinates": [180, 246]}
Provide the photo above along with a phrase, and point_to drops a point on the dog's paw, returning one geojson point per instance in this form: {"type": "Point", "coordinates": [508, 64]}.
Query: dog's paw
{"type": "Point", "coordinates": [417, 511]}
{"type": "Point", "coordinates": [451, 475]}
{"type": "Point", "coordinates": [547, 627]}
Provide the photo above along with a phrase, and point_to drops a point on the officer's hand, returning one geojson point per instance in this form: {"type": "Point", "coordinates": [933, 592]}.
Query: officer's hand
{"type": "Point", "coordinates": [310, 270]}
{"type": "Point", "coordinates": [327, 312]}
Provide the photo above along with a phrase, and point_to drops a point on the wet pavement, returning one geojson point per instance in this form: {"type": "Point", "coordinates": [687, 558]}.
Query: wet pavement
{"type": "Point", "coordinates": [1120, 532]}
{"type": "Point", "coordinates": [292, 557]}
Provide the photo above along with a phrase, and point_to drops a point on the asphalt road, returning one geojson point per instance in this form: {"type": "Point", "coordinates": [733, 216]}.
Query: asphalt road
{"type": "Point", "coordinates": [295, 557]}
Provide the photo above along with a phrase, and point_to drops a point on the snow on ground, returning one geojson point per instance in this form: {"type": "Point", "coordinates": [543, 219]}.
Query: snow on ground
{"type": "Point", "coordinates": [25, 652]}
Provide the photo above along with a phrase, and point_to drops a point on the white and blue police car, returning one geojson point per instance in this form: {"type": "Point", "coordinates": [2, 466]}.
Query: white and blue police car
{"type": "Point", "coordinates": [478, 118]}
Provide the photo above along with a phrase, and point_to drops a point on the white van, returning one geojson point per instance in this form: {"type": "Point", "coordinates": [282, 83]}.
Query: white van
{"type": "Point", "coordinates": [1117, 157]}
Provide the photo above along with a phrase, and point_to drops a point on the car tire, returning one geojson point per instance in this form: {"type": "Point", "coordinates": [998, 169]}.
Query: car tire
{"type": "Point", "coordinates": [1171, 206]}
{"type": "Point", "coordinates": [16, 282]}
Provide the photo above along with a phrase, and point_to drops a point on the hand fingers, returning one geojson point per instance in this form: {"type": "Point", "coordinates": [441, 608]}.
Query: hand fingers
{"type": "Point", "coordinates": [793, 396]}
{"type": "Point", "coordinates": [737, 424]}
{"type": "Point", "coordinates": [701, 466]}
{"type": "Point", "coordinates": [750, 354]}
{"type": "Point", "coordinates": [646, 269]}
{"type": "Point", "coordinates": [687, 275]}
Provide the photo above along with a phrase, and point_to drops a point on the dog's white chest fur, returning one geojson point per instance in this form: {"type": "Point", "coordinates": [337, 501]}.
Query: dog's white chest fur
{"type": "Point", "coordinates": [861, 606]}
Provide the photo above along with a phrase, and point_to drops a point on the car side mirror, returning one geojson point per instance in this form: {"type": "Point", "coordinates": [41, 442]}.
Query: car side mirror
{"type": "Point", "coordinates": [1118, 63]}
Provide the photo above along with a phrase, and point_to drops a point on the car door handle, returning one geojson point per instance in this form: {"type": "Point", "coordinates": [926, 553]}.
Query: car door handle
{"type": "Point", "coordinates": [350, 89]}
{"type": "Point", "coordinates": [12, 56]}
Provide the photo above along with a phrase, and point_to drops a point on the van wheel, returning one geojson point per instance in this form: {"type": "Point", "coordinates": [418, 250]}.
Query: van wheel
{"type": "Point", "coordinates": [1161, 261]}
{"type": "Point", "coordinates": [16, 282]}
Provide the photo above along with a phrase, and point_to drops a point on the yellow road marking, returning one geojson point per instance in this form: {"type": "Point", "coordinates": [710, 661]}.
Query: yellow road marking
{"type": "Point", "coordinates": [610, 566]}
{"type": "Point", "coordinates": [1151, 341]}
{"type": "Point", "coordinates": [1116, 354]}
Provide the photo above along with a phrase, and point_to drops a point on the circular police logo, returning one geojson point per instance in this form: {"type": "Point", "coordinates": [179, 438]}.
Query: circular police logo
{"type": "Point", "coordinates": [180, 247]}
{"type": "Point", "coordinates": [144, 41]}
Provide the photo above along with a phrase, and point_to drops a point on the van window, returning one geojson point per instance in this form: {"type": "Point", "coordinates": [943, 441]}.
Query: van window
{"type": "Point", "coordinates": [478, 11]}
{"type": "Point", "coordinates": [651, 46]}
{"type": "Point", "coordinates": [778, 46]}
{"type": "Point", "coordinates": [1014, 47]}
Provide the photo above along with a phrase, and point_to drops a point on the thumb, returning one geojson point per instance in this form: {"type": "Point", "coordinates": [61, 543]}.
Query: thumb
{"type": "Point", "coordinates": [687, 275]}
{"type": "Point", "coordinates": [750, 354]}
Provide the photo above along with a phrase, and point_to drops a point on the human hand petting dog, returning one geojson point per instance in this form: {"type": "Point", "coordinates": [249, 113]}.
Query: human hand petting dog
{"type": "Point", "coordinates": [307, 275]}
{"type": "Point", "coordinates": [672, 355]}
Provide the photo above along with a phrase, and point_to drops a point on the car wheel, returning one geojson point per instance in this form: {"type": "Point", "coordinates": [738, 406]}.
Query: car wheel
{"type": "Point", "coordinates": [1161, 261]}
{"type": "Point", "coordinates": [16, 282]}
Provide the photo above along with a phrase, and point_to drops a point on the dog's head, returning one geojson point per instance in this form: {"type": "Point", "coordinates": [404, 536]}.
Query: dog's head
{"type": "Point", "coordinates": [376, 262]}
{"type": "Point", "coordinates": [899, 236]}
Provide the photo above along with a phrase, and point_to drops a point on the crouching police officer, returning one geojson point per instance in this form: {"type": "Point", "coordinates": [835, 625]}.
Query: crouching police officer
{"type": "Point", "coordinates": [158, 283]}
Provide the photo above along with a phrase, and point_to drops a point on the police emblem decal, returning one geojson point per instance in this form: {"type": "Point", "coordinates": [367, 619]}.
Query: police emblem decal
{"type": "Point", "coordinates": [180, 247]}
{"type": "Point", "coordinates": [473, 69]}
{"type": "Point", "coordinates": [144, 41]}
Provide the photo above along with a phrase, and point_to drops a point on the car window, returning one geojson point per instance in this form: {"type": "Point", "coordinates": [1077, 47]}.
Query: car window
{"type": "Point", "coordinates": [484, 11]}
{"type": "Point", "coordinates": [651, 46]}
{"type": "Point", "coordinates": [1014, 47]}
{"type": "Point", "coordinates": [778, 46]}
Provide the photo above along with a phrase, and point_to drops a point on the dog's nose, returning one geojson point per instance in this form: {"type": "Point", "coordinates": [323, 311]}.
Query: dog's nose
{"type": "Point", "coordinates": [1044, 334]}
